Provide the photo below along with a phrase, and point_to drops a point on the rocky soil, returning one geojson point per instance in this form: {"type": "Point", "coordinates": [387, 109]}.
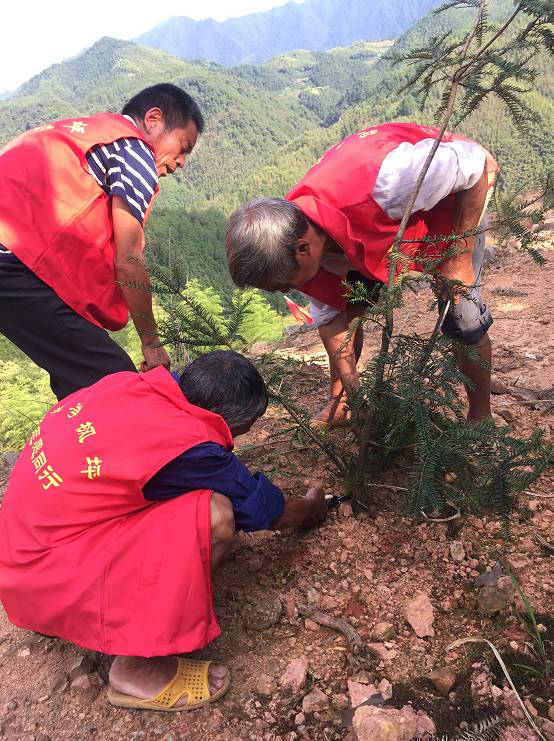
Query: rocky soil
{"type": "Point", "coordinates": [408, 588]}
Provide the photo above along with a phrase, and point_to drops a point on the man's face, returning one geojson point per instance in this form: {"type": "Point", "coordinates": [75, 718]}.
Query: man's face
{"type": "Point", "coordinates": [172, 146]}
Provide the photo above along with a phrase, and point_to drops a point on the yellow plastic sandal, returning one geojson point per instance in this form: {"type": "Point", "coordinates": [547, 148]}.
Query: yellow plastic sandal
{"type": "Point", "coordinates": [191, 679]}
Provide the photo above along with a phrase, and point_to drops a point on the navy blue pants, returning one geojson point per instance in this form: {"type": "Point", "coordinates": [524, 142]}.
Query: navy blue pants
{"type": "Point", "coordinates": [75, 352]}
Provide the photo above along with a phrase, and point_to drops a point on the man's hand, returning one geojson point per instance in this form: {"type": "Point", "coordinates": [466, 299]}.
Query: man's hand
{"type": "Point", "coordinates": [154, 356]}
{"type": "Point", "coordinates": [318, 507]}
{"type": "Point", "coordinates": [309, 511]}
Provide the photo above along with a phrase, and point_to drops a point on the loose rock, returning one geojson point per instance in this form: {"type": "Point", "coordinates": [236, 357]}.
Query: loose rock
{"type": "Point", "coordinates": [547, 727]}
{"type": "Point", "coordinates": [496, 597]}
{"type": "Point", "coordinates": [457, 551]}
{"type": "Point", "coordinates": [518, 733]}
{"type": "Point", "coordinates": [443, 679]}
{"type": "Point", "coordinates": [295, 674]}
{"type": "Point", "coordinates": [506, 414]}
{"type": "Point", "coordinates": [264, 614]}
{"type": "Point", "coordinates": [498, 386]}
{"type": "Point", "coordinates": [315, 700]}
{"type": "Point", "coordinates": [345, 510]}
{"type": "Point", "coordinates": [266, 685]}
{"type": "Point", "coordinates": [385, 724]}
{"type": "Point", "coordinates": [425, 726]}
{"type": "Point", "coordinates": [420, 614]}
{"type": "Point", "coordinates": [79, 666]}
{"type": "Point", "coordinates": [383, 632]}
{"type": "Point", "coordinates": [380, 651]}
{"type": "Point", "coordinates": [385, 688]}
{"type": "Point", "coordinates": [360, 693]}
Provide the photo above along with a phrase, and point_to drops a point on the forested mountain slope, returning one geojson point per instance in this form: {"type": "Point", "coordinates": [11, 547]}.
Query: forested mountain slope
{"type": "Point", "coordinates": [314, 25]}
{"type": "Point", "coordinates": [266, 123]}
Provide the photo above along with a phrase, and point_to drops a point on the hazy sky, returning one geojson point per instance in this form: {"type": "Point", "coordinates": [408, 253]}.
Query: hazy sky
{"type": "Point", "coordinates": [37, 33]}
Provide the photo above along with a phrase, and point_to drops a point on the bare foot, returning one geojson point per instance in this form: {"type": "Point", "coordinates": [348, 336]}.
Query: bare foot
{"type": "Point", "coordinates": [335, 413]}
{"type": "Point", "coordinates": [145, 678]}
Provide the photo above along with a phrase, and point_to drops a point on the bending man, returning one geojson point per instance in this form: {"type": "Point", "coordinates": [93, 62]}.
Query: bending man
{"type": "Point", "coordinates": [110, 526]}
{"type": "Point", "coordinates": [74, 198]}
{"type": "Point", "coordinates": [339, 222]}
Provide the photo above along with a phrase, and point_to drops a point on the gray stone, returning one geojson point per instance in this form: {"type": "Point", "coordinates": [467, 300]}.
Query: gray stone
{"type": "Point", "coordinates": [496, 597]}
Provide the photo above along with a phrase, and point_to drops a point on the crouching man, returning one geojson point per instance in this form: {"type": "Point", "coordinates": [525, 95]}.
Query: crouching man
{"type": "Point", "coordinates": [338, 224]}
{"type": "Point", "coordinates": [122, 502]}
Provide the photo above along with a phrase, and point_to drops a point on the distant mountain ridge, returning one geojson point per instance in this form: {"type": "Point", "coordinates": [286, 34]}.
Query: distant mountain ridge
{"type": "Point", "coordinates": [316, 25]}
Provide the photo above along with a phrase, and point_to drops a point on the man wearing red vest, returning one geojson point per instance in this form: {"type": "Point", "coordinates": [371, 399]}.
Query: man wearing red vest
{"type": "Point", "coordinates": [74, 198]}
{"type": "Point", "coordinates": [339, 222]}
{"type": "Point", "coordinates": [110, 526]}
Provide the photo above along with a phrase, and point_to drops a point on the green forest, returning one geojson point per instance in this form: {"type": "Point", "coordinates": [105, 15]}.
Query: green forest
{"type": "Point", "coordinates": [265, 125]}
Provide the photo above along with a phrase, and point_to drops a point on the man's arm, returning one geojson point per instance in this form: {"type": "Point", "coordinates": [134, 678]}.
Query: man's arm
{"type": "Point", "coordinates": [338, 339]}
{"type": "Point", "coordinates": [128, 238]}
{"type": "Point", "coordinates": [470, 205]}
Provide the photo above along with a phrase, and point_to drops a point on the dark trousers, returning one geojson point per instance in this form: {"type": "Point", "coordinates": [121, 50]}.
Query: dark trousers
{"type": "Point", "coordinates": [73, 351]}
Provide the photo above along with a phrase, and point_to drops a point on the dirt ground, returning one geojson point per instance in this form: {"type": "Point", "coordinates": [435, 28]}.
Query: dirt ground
{"type": "Point", "coordinates": [360, 567]}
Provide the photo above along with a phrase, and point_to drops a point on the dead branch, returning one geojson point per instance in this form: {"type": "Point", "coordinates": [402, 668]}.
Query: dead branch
{"type": "Point", "coordinates": [357, 647]}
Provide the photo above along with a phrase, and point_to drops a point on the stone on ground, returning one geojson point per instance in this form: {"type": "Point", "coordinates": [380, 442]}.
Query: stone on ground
{"type": "Point", "coordinates": [315, 700]}
{"type": "Point", "coordinates": [294, 677]}
{"type": "Point", "coordinates": [443, 679]}
{"type": "Point", "coordinates": [384, 724]}
{"type": "Point", "coordinates": [420, 614]}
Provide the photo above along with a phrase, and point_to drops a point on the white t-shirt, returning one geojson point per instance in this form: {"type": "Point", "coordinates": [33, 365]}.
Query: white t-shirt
{"type": "Point", "coordinates": [456, 166]}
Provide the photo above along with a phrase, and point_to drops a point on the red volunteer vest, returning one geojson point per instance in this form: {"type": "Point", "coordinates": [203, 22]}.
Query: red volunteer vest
{"type": "Point", "coordinates": [336, 195]}
{"type": "Point", "coordinates": [57, 219]}
{"type": "Point", "coordinates": [83, 556]}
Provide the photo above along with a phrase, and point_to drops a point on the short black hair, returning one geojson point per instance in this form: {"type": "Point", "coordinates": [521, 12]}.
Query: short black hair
{"type": "Point", "coordinates": [226, 383]}
{"type": "Point", "coordinates": [178, 107]}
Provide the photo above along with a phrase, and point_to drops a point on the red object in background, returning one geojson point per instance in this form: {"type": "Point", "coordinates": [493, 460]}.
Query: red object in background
{"type": "Point", "coordinates": [299, 313]}
{"type": "Point", "coordinates": [83, 555]}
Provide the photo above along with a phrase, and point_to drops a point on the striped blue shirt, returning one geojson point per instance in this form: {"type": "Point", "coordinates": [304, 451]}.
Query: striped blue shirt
{"type": "Point", "coordinates": [125, 168]}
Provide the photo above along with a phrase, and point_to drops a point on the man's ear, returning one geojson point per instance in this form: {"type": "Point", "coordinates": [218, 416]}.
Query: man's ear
{"type": "Point", "coordinates": [153, 117]}
{"type": "Point", "coordinates": [302, 247]}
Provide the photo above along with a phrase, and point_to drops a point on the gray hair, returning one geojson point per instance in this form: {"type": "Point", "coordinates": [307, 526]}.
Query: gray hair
{"type": "Point", "coordinates": [260, 241]}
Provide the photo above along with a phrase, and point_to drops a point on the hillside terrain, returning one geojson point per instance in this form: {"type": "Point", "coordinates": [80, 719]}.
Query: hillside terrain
{"type": "Point", "coordinates": [286, 601]}
{"type": "Point", "coordinates": [364, 567]}
{"type": "Point", "coordinates": [314, 25]}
